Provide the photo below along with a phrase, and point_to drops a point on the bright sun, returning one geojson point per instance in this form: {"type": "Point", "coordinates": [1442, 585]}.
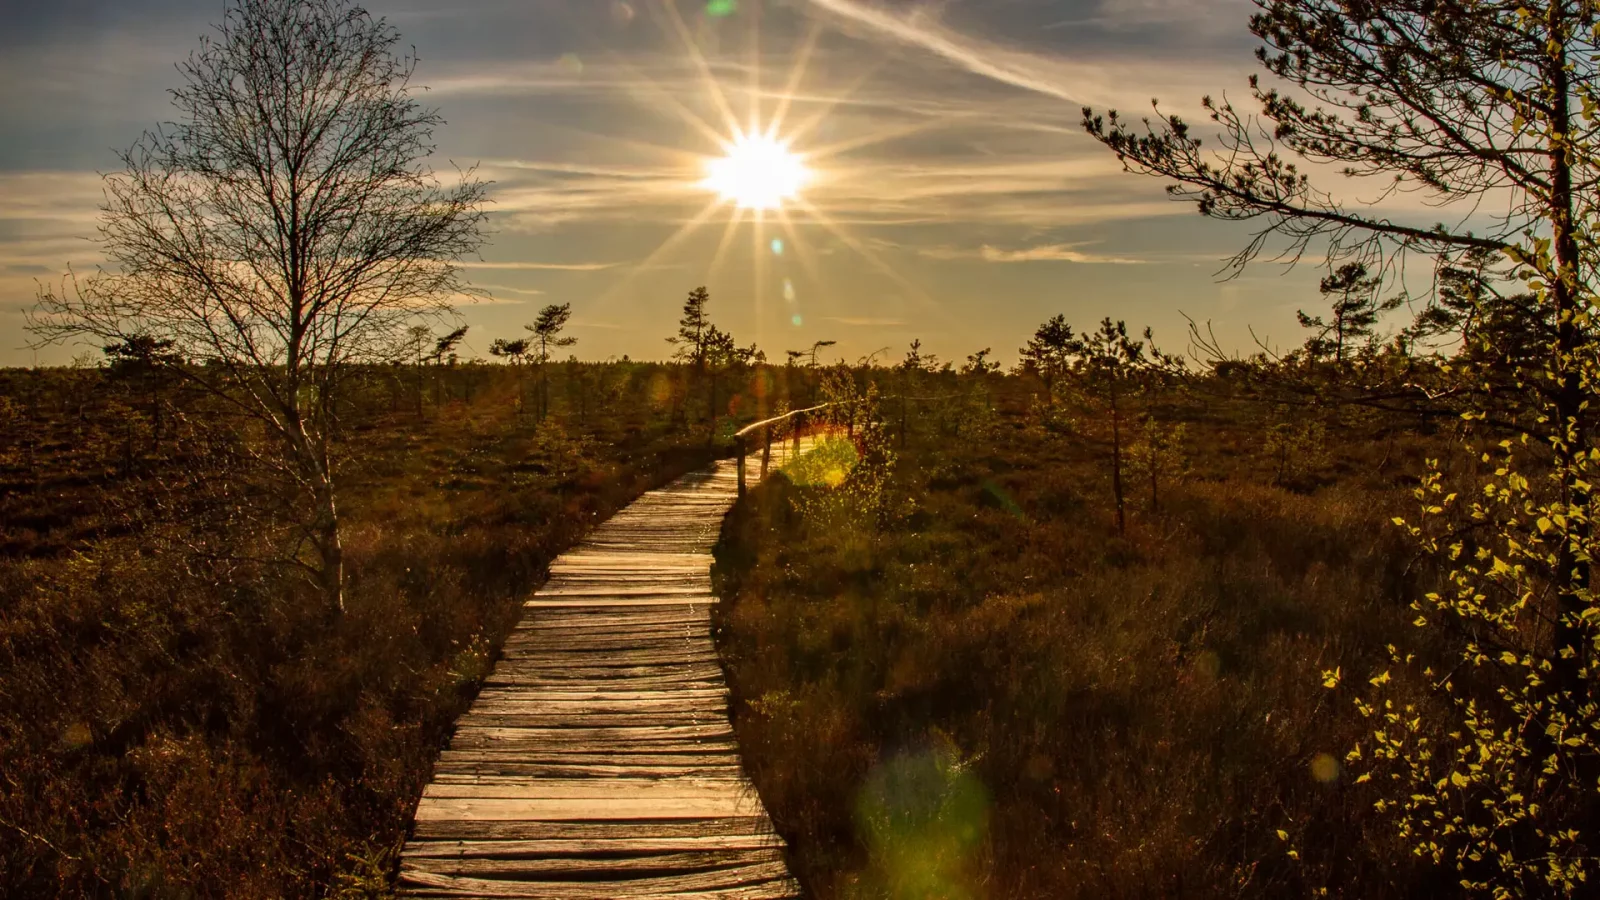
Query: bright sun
{"type": "Point", "coordinates": [758, 172]}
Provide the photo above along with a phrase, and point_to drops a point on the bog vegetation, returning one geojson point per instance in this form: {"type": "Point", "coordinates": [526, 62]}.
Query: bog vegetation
{"type": "Point", "coordinates": [1112, 622]}
{"type": "Point", "coordinates": [183, 714]}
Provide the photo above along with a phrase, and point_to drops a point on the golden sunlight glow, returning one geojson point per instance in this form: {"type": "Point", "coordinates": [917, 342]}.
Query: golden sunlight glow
{"type": "Point", "coordinates": [759, 172]}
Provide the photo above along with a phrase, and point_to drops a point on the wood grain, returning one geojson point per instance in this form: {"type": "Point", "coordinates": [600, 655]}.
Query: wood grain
{"type": "Point", "coordinates": [598, 760]}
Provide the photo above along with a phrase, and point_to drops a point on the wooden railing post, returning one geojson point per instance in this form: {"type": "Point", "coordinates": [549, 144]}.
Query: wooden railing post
{"type": "Point", "coordinates": [797, 421]}
{"type": "Point", "coordinates": [766, 451]}
{"type": "Point", "coordinates": [738, 448]}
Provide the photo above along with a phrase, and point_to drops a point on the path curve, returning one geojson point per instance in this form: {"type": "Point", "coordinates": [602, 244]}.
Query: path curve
{"type": "Point", "coordinates": [598, 761]}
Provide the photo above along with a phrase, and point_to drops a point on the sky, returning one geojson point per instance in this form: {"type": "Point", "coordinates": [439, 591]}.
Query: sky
{"type": "Point", "coordinates": [954, 197]}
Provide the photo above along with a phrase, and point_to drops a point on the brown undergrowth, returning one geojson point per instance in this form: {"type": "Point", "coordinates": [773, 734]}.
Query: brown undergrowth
{"type": "Point", "coordinates": [181, 718]}
{"type": "Point", "coordinates": [989, 692]}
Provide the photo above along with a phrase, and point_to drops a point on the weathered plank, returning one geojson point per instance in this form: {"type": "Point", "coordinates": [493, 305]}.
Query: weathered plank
{"type": "Point", "coordinates": [588, 809]}
{"type": "Point", "coordinates": [737, 877]}
{"type": "Point", "coordinates": [588, 847]}
{"type": "Point", "coordinates": [598, 760]}
{"type": "Point", "coordinates": [467, 830]}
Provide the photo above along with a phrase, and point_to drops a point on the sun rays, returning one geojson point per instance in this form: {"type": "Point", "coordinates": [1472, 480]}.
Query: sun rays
{"type": "Point", "coordinates": [757, 166]}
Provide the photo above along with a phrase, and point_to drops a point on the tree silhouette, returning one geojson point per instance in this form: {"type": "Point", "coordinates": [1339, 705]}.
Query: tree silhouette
{"type": "Point", "coordinates": [979, 364]}
{"type": "Point", "coordinates": [546, 337]}
{"type": "Point", "coordinates": [281, 231]}
{"type": "Point", "coordinates": [1472, 103]}
{"type": "Point", "coordinates": [723, 356]}
{"type": "Point", "coordinates": [1049, 353]}
{"type": "Point", "coordinates": [1119, 365]}
{"type": "Point", "coordinates": [1353, 317]}
{"type": "Point", "coordinates": [516, 353]}
{"type": "Point", "coordinates": [690, 342]}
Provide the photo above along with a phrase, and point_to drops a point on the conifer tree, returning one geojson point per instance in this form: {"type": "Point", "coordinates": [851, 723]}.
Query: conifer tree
{"type": "Point", "coordinates": [1461, 101]}
{"type": "Point", "coordinates": [1049, 353]}
{"type": "Point", "coordinates": [1353, 315]}
{"type": "Point", "coordinates": [547, 337]}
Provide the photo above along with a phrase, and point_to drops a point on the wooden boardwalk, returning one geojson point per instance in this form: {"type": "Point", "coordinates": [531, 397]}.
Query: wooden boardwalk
{"type": "Point", "coordinates": [598, 761]}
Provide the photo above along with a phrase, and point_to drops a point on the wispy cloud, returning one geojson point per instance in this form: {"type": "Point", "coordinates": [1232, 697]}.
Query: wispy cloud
{"type": "Point", "coordinates": [1080, 79]}
{"type": "Point", "coordinates": [1049, 253]}
{"type": "Point", "coordinates": [863, 321]}
{"type": "Point", "coordinates": [531, 292]}
{"type": "Point", "coordinates": [539, 266]}
{"type": "Point", "coordinates": [1073, 252]}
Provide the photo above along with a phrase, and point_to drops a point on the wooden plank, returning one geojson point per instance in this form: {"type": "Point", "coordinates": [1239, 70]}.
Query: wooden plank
{"type": "Point", "coordinates": [620, 774]}
{"type": "Point", "coordinates": [654, 864]}
{"type": "Point", "coordinates": [577, 667]}
{"type": "Point", "coordinates": [503, 759]}
{"type": "Point", "coordinates": [569, 847]}
{"type": "Point", "coordinates": [637, 701]}
{"type": "Point", "coordinates": [589, 809]}
{"type": "Point", "coordinates": [633, 590]}
{"type": "Point", "coordinates": [541, 740]}
{"type": "Point", "coordinates": [657, 705]}
{"type": "Point", "coordinates": [616, 602]}
{"type": "Point", "coordinates": [599, 735]}
{"type": "Point", "coordinates": [740, 876]}
{"type": "Point", "coordinates": [559, 636]}
{"type": "Point", "coordinates": [585, 831]}
{"type": "Point", "coordinates": [592, 720]}
{"type": "Point", "coordinates": [648, 680]}
{"type": "Point", "coordinates": [597, 788]}
{"type": "Point", "coordinates": [587, 694]}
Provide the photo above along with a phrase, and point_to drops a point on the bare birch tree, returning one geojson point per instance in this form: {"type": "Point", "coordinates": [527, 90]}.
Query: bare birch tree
{"type": "Point", "coordinates": [281, 232]}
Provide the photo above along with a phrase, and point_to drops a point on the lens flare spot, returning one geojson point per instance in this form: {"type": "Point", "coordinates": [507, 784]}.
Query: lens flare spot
{"type": "Point", "coordinates": [1324, 768]}
{"type": "Point", "coordinates": [777, 246]}
{"type": "Point", "coordinates": [795, 320]}
{"type": "Point", "coordinates": [788, 290]}
{"type": "Point", "coordinates": [827, 464]}
{"type": "Point", "coordinates": [719, 8]}
{"type": "Point", "coordinates": [925, 817]}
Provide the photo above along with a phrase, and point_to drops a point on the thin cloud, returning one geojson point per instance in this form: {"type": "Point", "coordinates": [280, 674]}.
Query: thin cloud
{"type": "Point", "coordinates": [863, 321]}
{"type": "Point", "coordinates": [1099, 82]}
{"type": "Point", "coordinates": [532, 292]}
{"type": "Point", "coordinates": [539, 266]}
{"type": "Point", "coordinates": [1057, 252]}
{"type": "Point", "coordinates": [1050, 253]}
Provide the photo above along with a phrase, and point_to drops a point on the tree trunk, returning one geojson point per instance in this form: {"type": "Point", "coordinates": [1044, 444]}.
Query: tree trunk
{"type": "Point", "coordinates": [711, 410]}
{"type": "Point", "coordinates": [313, 460]}
{"type": "Point", "coordinates": [1116, 460]}
{"type": "Point", "coordinates": [329, 546]}
{"type": "Point", "coordinates": [1571, 446]}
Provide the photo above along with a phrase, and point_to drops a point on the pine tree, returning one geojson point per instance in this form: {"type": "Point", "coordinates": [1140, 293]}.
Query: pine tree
{"type": "Point", "coordinates": [546, 337]}
{"type": "Point", "coordinates": [1049, 353]}
{"type": "Point", "coordinates": [1353, 317]}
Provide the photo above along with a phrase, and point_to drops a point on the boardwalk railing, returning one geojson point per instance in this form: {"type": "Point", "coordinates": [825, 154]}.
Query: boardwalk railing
{"type": "Point", "coordinates": [799, 419]}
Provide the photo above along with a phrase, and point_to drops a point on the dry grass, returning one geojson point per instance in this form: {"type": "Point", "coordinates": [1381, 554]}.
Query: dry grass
{"type": "Point", "coordinates": [178, 720]}
{"type": "Point", "coordinates": [993, 694]}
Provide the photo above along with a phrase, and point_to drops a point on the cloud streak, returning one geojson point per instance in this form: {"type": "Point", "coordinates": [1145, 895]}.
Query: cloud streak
{"type": "Point", "coordinates": [1086, 79]}
{"type": "Point", "coordinates": [864, 321]}
{"type": "Point", "coordinates": [1050, 253]}
{"type": "Point", "coordinates": [539, 266]}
